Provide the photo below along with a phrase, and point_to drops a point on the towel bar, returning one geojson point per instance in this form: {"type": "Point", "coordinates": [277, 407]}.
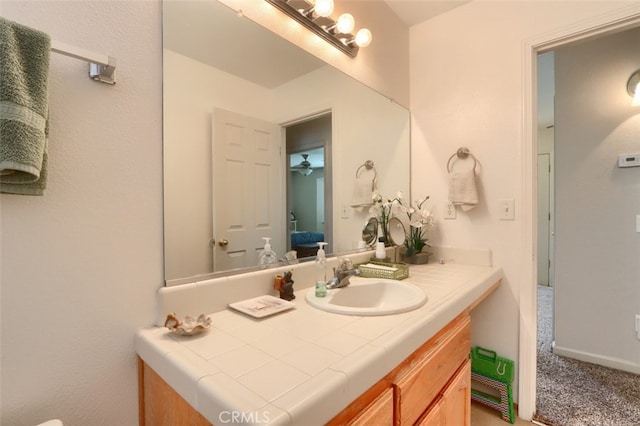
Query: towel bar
{"type": "Point", "coordinates": [102, 68]}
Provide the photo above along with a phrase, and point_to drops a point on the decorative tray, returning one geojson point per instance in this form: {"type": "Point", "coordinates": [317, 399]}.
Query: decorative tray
{"type": "Point", "coordinates": [386, 270]}
{"type": "Point", "coordinates": [262, 306]}
{"type": "Point", "coordinates": [188, 326]}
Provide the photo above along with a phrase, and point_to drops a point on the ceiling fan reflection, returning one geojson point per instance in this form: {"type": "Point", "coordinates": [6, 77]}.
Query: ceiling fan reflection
{"type": "Point", "coordinates": [304, 168]}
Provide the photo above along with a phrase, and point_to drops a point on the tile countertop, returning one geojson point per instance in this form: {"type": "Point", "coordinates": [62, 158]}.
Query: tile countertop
{"type": "Point", "coordinates": [304, 366]}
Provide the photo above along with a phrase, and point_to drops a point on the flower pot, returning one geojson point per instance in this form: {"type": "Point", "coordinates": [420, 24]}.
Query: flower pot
{"type": "Point", "coordinates": [417, 259]}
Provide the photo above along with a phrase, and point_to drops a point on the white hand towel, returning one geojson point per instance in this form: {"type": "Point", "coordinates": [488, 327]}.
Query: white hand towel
{"type": "Point", "coordinates": [462, 189]}
{"type": "Point", "coordinates": [363, 189]}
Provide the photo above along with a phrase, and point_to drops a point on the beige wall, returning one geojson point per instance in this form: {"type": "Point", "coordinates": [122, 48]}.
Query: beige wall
{"type": "Point", "coordinates": [467, 90]}
{"type": "Point", "coordinates": [597, 271]}
{"type": "Point", "coordinates": [80, 266]}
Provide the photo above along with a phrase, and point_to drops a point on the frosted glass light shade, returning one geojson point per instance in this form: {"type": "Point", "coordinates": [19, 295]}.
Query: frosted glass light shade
{"type": "Point", "coordinates": [324, 8]}
{"type": "Point", "coordinates": [636, 97]}
{"type": "Point", "coordinates": [345, 23]}
{"type": "Point", "coordinates": [363, 37]}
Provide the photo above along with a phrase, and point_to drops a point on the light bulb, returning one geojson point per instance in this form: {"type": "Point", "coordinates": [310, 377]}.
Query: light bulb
{"type": "Point", "coordinates": [324, 8]}
{"type": "Point", "coordinates": [636, 96]}
{"type": "Point", "coordinates": [363, 37]}
{"type": "Point", "coordinates": [345, 23]}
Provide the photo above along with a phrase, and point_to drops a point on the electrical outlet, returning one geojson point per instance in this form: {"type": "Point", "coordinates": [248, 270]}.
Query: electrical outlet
{"type": "Point", "coordinates": [449, 210]}
{"type": "Point", "coordinates": [638, 326]}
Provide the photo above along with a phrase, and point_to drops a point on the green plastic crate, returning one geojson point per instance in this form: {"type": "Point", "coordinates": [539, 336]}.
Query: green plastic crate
{"type": "Point", "coordinates": [489, 364]}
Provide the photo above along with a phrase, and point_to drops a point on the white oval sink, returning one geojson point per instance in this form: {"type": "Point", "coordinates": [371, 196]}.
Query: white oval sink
{"type": "Point", "coordinates": [370, 296]}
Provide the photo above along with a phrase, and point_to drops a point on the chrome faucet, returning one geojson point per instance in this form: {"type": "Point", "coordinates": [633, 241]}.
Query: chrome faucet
{"type": "Point", "coordinates": [342, 273]}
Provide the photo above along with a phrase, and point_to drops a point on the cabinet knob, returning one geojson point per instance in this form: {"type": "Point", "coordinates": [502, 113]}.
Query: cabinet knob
{"type": "Point", "coordinates": [223, 242]}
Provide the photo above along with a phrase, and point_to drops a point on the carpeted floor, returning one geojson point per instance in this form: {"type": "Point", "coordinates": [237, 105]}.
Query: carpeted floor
{"type": "Point", "coordinates": [576, 393]}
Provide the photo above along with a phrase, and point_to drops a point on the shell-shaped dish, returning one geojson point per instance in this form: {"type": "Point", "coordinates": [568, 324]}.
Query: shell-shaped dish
{"type": "Point", "coordinates": [188, 326]}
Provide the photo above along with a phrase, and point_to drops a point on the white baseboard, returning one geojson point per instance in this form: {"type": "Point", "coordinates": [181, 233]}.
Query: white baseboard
{"type": "Point", "coordinates": [617, 363]}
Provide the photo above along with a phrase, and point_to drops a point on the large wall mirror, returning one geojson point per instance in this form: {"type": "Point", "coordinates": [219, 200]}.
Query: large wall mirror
{"type": "Point", "coordinates": [262, 139]}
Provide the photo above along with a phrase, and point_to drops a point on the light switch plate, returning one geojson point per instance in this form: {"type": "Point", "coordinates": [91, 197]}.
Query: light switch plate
{"type": "Point", "coordinates": [344, 211]}
{"type": "Point", "coordinates": [507, 209]}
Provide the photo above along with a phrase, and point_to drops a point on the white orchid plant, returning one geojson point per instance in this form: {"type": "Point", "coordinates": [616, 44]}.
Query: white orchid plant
{"type": "Point", "coordinates": [420, 220]}
{"type": "Point", "coordinates": [383, 209]}
{"type": "Point", "coordinates": [420, 223]}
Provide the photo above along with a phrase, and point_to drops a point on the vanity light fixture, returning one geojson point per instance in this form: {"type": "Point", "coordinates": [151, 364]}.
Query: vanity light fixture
{"type": "Point", "coordinates": [633, 87]}
{"type": "Point", "coordinates": [315, 15]}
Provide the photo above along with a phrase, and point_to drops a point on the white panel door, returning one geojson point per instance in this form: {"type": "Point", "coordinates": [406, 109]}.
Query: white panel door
{"type": "Point", "coordinates": [248, 200]}
{"type": "Point", "coordinates": [544, 218]}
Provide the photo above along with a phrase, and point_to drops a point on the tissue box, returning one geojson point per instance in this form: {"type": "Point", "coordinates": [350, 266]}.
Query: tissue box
{"type": "Point", "coordinates": [385, 270]}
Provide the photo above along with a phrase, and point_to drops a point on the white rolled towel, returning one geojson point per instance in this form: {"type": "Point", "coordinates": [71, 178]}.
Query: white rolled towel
{"type": "Point", "coordinates": [462, 189]}
{"type": "Point", "coordinates": [363, 189]}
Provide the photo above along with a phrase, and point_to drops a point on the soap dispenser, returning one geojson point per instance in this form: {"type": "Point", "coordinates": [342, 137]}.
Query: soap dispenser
{"type": "Point", "coordinates": [321, 271]}
{"type": "Point", "coordinates": [267, 256]}
{"type": "Point", "coordinates": [381, 252]}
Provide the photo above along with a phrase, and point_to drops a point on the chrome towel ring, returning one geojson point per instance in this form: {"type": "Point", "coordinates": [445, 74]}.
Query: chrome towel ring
{"type": "Point", "coordinates": [462, 153]}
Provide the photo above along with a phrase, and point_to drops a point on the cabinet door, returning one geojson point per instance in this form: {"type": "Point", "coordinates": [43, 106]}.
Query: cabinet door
{"type": "Point", "coordinates": [453, 408]}
{"type": "Point", "coordinates": [434, 416]}
{"type": "Point", "coordinates": [378, 413]}
{"type": "Point", "coordinates": [424, 381]}
{"type": "Point", "coordinates": [456, 399]}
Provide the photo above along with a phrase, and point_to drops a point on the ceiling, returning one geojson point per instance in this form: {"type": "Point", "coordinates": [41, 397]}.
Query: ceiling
{"type": "Point", "coordinates": [412, 12]}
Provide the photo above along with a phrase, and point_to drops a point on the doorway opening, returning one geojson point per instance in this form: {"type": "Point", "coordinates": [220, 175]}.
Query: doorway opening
{"type": "Point", "coordinates": [579, 368]}
{"type": "Point", "coordinates": [529, 302]}
{"type": "Point", "coordinates": [309, 183]}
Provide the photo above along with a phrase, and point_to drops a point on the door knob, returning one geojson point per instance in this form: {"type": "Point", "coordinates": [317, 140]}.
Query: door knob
{"type": "Point", "coordinates": [223, 242]}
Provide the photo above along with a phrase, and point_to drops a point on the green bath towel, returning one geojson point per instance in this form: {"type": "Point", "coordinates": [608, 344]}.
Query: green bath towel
{"type": "Point", "coordinates": [24, 108]}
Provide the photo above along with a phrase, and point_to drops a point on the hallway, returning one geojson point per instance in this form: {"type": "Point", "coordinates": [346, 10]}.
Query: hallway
{"type": "Point", "coordinates": [576, 393]}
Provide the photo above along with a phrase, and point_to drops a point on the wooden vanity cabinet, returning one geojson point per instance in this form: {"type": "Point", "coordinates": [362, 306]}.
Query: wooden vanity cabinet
{"type": "Point", "coordinates": [378, 412]}
{"type": "Point", "coordinates": [160, 405]}
{"type": "Point", "coordinates": [430, 387]}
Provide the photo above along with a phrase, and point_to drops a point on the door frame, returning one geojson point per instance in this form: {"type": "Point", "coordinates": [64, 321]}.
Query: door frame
{"type": "Point", "coordinates": [625, 18]}
{"type": "Point", "coordinates": [549, 212]}
{"type": "Point", "coordinates": [329, 212]}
